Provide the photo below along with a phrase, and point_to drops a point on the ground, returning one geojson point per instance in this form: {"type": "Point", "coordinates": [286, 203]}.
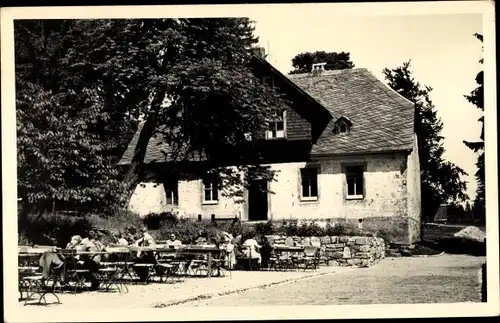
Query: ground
{"type": "Point", "coordinates": [446, 278]}
{"type": "Point", "coordinates": [442, 279]}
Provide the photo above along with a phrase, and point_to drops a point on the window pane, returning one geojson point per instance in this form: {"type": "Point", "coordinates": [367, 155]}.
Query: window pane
{"type": "Point", "coordinates": [215, 194]}
{"type": "Point", "coordinates": [207, 195]}
{"type": "Point", "coordinates": [169, 197]}
{"type": "Point", "coordinates": [359, 184]}
{"type": "Point", "coordinates": [343, 128]}
{"type": "Point", "coordinates": [280, 134]}
{"type": "Point", "coordinates": [280, 125]}
{"type": "Point", "coordinates": [176, 197]}
{"type": "Point", "coordinates": [305, 188]}
{"type": "Point", "coordinates": [314, 187]}
{"type": "Point", "coordinates": [351, 181]}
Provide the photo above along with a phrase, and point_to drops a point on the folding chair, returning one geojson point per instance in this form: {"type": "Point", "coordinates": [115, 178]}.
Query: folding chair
{"type": "Point", "coordinates": [32, 281]}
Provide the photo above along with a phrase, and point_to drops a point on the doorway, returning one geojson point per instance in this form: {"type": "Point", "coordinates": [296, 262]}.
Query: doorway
{"type": "Point", "coordinates": [257, 200]}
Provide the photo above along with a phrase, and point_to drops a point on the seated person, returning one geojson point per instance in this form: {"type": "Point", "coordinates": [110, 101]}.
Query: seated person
{"type": "Point", "coordinates": [172, 241]}
{"type": "Point", "coordinates": [123, 241]}
{"type": "Point", "coordinates": [202, 238]}
{"type": "Point", "coordinates": [91, 262]}
{"type": "Point", "coordinates": [75, 241]}
{"type": "Point", "coordinates": [146, 257]}
{"type": "Point", "coordinates": [56, 260]}
{"type": "Point", "coordinates": [251, 249]}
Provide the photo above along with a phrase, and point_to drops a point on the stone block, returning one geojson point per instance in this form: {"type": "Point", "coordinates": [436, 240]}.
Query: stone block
{"type": "Point", "coordinates": [366, 248]}
{"type": "Point", "coordinates": [343, 239]}
{"type": "Point", "coordinates": [306, 242]}
{"type": "Point", "coordinates": [326, 240]}
{"type": "Point", "coordinates": [361, 240]}
{"type": "Point", "coordinates": [350, 243]}
{"type": "Point", "coordinates": [362, 255]}
{"type": "Point", "coordinates": [364, 263]}
{"type": "Point", "coordinates": [335, 239]}
{"type": "Point", "coordinates": [347, 253]}
{"type": "Point", "coordinates": [289, 242]}
{"type": "Point", "coordinates": [315, 242]}
{"type": "Point", "coordinates": [339, 245]}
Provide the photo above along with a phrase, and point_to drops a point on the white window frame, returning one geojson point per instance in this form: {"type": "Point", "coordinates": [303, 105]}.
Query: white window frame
{"type": "Point", "coordinates": [355, 175]}
{"type": "Point", "coordinates": [174, 197]}
{"type": "Point", "coordinates": [213, 187]}
{"type": "Point", "coordinates": [172, 191]}
{"type": "Point", "coordinates": [275, 120]}
{"type": "Point", "coordinates": [308, 198]}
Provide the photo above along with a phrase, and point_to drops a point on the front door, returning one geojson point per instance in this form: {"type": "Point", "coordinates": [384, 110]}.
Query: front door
{"type": "Point", "coordinates": [257, 200]}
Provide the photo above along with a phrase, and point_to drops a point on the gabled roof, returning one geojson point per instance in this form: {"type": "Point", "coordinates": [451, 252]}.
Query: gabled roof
{"type": "Point", "coordinates": [344, 119]}
{"type": "Point", "coordinates": [382, 120]}
{"type": "Point", "coordinates": [158, 151]}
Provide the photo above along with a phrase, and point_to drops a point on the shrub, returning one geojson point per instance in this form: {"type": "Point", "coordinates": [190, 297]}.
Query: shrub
{"type": "Point", "coordinates": [290, 228]}
{"type": "Point", "coordinates": [152, 221]}
{"type": "Point", "coordinates": [309, 230]}
{"type": "Point", "coordinates": [119, 221]}
{"type": "Point", "coordinates": [335, 230]}
{"type": "Point", "coordinates": [265, 228]}
{"type": "Point", "coordinates": [51, 228]}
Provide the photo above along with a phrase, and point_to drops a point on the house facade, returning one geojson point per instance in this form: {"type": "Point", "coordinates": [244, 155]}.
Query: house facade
{"type": "Point", "coordinates": [347, 153]}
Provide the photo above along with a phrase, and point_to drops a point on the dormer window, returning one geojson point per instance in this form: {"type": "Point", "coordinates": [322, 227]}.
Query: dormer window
{"type": "Point", "coordinates": [342, 125]}
{"type": "Point", "coordinates": [276, 126]}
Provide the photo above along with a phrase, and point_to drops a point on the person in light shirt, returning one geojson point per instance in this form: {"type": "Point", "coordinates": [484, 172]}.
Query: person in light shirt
{"type": "Point", "coordinates": [173, 241]}
{"type": "Point", "coordinates": [145, 257]}
{"type": "Point", "coordinates": [251, 249]}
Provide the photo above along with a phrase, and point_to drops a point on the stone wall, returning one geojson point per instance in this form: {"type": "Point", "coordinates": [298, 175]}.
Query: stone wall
{"type": "Point", "coordinates": [340, 250]}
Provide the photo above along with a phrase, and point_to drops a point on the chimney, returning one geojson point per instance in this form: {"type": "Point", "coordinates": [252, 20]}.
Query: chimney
{"type": "Point", "coordinates": [259, 51]}
{"type": "Point", "coordinates": [318, 68]}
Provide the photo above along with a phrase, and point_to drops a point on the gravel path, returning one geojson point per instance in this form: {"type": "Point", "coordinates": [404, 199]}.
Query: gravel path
{"type": "Point", "coordinates": [444, 279]}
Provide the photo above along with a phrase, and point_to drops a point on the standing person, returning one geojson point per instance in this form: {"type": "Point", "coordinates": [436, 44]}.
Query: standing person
{"type": "Point", "coordinates": [265, 251]}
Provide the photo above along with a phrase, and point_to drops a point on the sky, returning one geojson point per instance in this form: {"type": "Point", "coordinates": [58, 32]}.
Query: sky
{"type": "Point", "coordinates": [444, 54]}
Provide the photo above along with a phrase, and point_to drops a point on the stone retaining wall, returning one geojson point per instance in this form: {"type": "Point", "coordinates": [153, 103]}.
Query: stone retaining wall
{"type": "Point", "coordinates": [340, 250]}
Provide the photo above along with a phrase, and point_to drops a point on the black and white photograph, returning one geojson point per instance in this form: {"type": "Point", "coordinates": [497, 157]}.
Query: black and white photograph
{"type": "Point", "coordinates": [230, 161]}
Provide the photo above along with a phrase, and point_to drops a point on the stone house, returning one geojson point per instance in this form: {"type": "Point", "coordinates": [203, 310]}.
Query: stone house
{"type": "Point", "coordinates": [348, 153]}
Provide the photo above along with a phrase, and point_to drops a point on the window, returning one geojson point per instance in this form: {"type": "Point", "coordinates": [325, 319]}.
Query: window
{"type": "Point", "coordinates": [276, 126]}
{"type": "Point", "coordinates": [171, 192]}
{"type": "Point", "coordinates": [340, 128]}
{"type": "Point", "coordinates": [342, 125]}
{"type": "Point", "coordinates": [210, 191]}
{"type": "Point", "coordinates": [268, 81]}
{"type": "Point", "coordinates": [309, 178]}
{"type": "Point", "coordinates": [355, 182]}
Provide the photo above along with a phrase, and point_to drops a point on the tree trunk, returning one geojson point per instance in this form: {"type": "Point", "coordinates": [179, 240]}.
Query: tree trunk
{"type": "Point", "coordinates": [135, 171]}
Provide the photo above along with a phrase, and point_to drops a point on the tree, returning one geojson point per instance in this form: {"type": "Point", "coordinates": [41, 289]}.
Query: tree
{"type": "Point", "coordinates": [189, 79]}
{"type": "Point", "coordinates": [63, 127]}
{"type": "Point", "coordinates": [302, 63]}
{"type": "Point", "coordinates": [476, 97]}
{"type": "Point", "coordinates": [440, 179]}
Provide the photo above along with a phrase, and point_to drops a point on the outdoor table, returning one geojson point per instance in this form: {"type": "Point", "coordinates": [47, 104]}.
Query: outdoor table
{"type": "Point", "coordinates": [209, 251]}
{"type": "Point", "coordinates": [293, 252]}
